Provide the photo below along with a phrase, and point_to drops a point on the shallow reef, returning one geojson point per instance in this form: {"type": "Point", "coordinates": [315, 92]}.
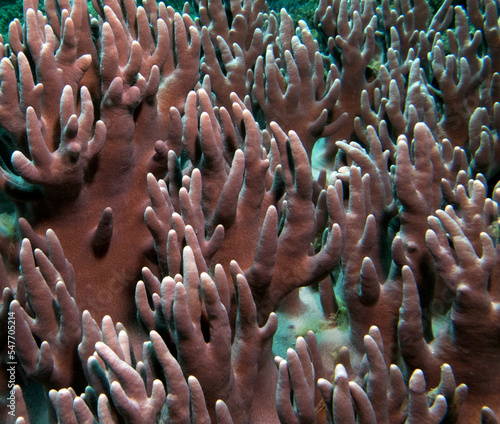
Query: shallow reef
{"type": "Point", "coordinates": [227, 215]}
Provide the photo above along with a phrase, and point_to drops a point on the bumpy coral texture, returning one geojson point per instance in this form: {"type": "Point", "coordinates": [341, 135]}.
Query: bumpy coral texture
{"type": "Point", "coordinates": [193, 191]}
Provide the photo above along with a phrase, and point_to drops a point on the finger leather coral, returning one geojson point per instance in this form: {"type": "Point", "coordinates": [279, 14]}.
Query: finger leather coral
{"type": "Point", "coordinates": [223, 214]}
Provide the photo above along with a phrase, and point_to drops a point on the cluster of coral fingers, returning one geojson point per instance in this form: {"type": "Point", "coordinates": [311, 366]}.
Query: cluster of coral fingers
{"type": "Point", "coordinates": [184, 195]}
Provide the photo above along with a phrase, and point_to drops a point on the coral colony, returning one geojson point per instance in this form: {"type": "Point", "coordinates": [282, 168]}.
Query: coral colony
{"type": "Point", "coordinates": [187, 194]}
